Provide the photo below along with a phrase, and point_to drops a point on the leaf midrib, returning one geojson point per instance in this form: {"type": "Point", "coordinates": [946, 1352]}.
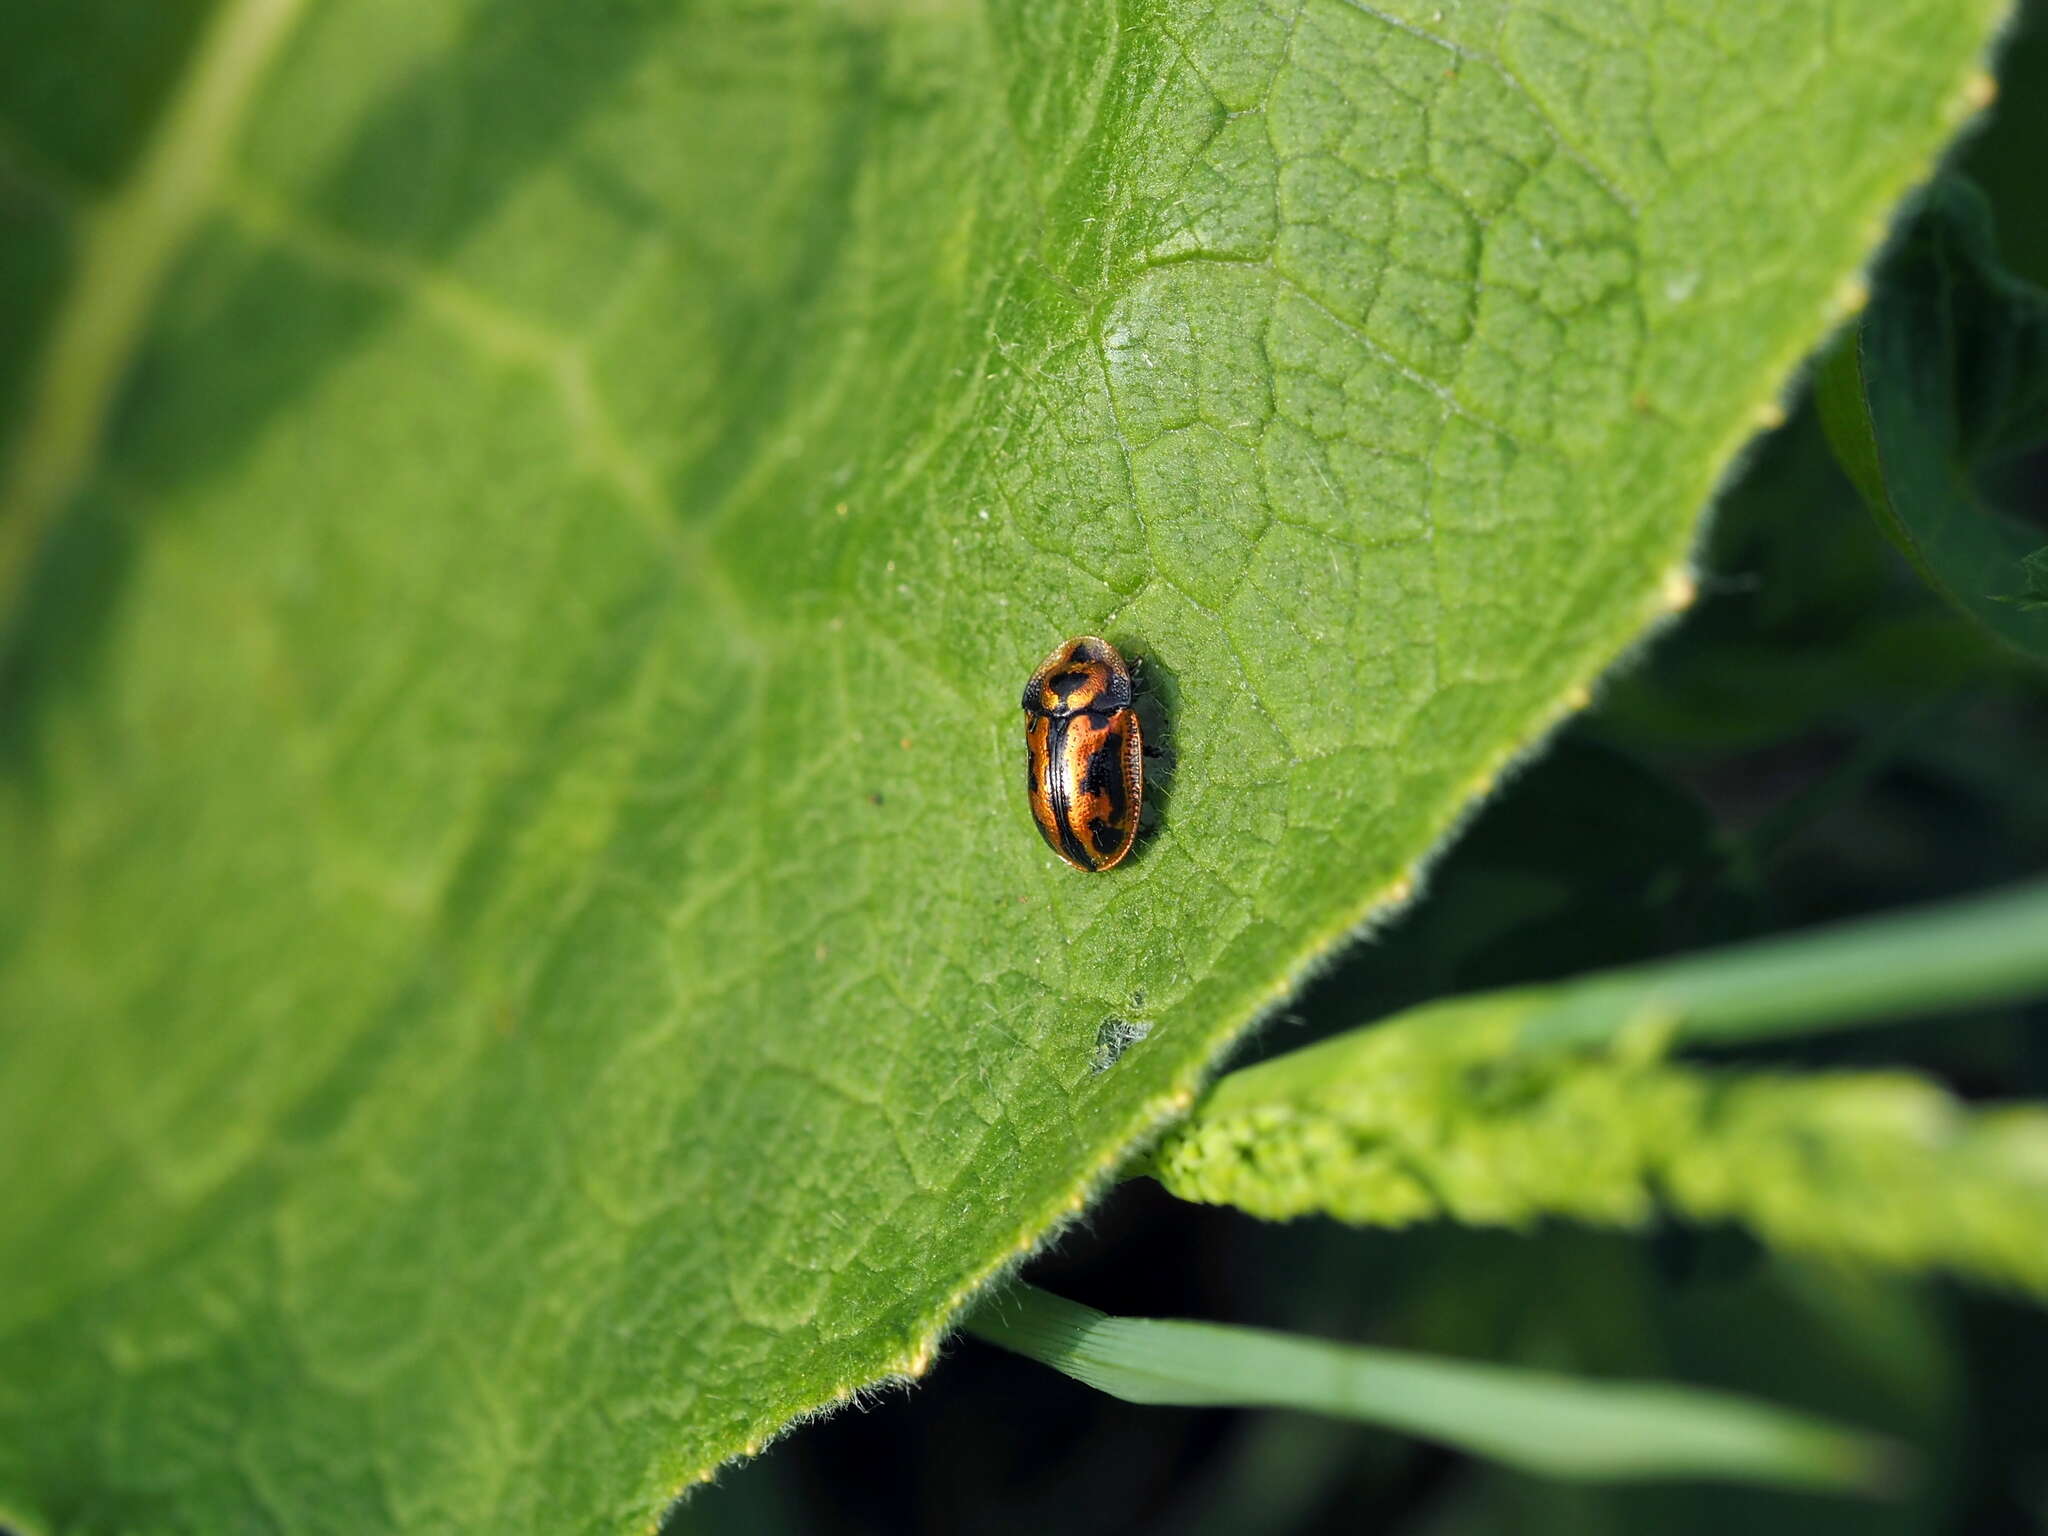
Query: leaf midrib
{"type": "Point", "coordinates": [127, 247]}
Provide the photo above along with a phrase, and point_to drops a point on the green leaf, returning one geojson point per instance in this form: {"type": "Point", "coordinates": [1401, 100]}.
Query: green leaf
{"type": "Point", "coordinates": [2033, 594]}
{"type": "Point", "coordinates": [1506, 1108]}
{"type": "Point", "coordinates": [525, 964]}
{"type": "Point", "coordinates": [1558, 1426]}
{"type": "Point", "coordinates": [1946, 375]}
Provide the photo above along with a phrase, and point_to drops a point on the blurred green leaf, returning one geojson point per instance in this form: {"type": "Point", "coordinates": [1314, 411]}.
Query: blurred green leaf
{"type": "Point", "coordinates": [526, 965]}
{"type": "Point", "coordinates": [1805, 621]}
{"type": "Point", "coordinates": [2033, 595]}
{"type": "Point", "coordinates": [1555, 1425]}
{"type": "Point", "coordinates": [1946, 374]}
{"type": "Point", "coordinates": [1505, 1108]}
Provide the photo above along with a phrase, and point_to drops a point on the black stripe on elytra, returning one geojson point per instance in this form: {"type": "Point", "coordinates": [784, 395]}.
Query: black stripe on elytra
{"type": "Point", "coordinates": [1105, 772]}
{"type": "Point", "coordinates": [1061, 794]}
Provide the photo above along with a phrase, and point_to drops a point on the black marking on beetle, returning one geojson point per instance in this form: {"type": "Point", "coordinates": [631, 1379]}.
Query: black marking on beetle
{"type": "Point", "coordinates": [1062, 796]}
{"type": "Point", "coordinates": [1077, 850]}
{"type": "Point", "coordinates": [1065, 684]}
{"type": "Point", "coordinates": [1105, 759]}
{"type": "Point", "coordinates": [1104, 776]}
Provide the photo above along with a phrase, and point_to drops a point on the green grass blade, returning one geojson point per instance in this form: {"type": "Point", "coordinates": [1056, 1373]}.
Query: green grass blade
{"type": "Point", "coordinates": [1554, 1425]}
{"type": "Point", "coordinates": [1983, 950]}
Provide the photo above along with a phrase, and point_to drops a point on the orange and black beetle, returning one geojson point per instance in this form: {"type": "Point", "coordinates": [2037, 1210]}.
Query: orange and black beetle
{"type": "Point", "coordinates": [1084, 753]}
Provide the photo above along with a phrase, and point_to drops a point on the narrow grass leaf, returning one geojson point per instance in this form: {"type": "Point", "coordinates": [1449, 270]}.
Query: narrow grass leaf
{"type": "Point", "coordinates": [1971, 952]}
{"type": "Point", "coordinates": [1539, 1421]}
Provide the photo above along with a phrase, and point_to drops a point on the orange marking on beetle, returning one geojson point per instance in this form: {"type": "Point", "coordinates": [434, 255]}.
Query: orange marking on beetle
{"type": "Point", "coordinates": [1084, 754]}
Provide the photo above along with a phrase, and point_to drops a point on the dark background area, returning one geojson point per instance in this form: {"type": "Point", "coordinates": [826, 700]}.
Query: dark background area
{"type": "Point", "coordinates": [1820, 738]}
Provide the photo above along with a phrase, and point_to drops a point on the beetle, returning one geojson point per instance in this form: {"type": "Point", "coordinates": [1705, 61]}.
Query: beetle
{"type": "Point", "coordinates": [1084, 753]}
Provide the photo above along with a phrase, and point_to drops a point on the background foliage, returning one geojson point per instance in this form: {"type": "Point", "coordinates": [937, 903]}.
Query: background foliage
{"type": "Point", "coordinates": [528, 971]}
